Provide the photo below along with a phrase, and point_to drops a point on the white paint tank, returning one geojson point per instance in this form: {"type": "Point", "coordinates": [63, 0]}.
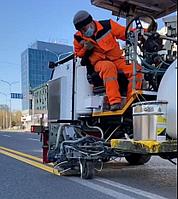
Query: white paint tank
{"type": "Point", "coordinates": [168, 91]}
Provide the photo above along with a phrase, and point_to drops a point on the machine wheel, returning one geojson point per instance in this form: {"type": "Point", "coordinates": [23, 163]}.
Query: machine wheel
{"type": "Point", "coordinates": [137, 159]}
{"type": "Point", "coordinates": [106, 159]}
{"type": "Point", "coordinates": [87, 170]}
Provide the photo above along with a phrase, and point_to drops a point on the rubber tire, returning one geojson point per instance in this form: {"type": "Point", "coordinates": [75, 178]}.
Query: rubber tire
{"type": "Point", "coordinates": [137, 159]}
{"type": "Point", "coordinates": [106, 159]}
{"type": "Point", "coordinates": [88, 170]}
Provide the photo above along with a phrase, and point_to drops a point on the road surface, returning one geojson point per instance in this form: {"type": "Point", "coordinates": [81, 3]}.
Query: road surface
{"type": "Point", "coordinates": [23, 176]}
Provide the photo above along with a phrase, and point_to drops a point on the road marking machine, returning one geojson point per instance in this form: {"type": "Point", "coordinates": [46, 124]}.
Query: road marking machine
{"type": "Point", "coordinates": [82, 132]}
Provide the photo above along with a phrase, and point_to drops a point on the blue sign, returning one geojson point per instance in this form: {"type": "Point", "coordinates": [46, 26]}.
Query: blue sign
{"type": "Point", "coordinates": [16, 95]}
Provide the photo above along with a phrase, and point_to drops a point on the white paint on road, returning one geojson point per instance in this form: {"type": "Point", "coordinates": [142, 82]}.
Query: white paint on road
{"type": "Point", "coordinates": [101, 189]}
{"type": "Point", "coordinates": [38, 150]}
{"type": "Point", "coordinates": [140, 192]}
{"type": "Point", "coordinates": [116, 194]}
{"type": "Point", "coordinates": [33, 139]}
{"type": "Point", "coordinates": [7, 136]}
{"type": "Point", "coordinates": [155, 167]}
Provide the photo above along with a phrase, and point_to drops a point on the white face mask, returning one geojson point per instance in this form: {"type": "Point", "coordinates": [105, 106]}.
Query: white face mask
{"type": "Point", "coordinates": [89, 32]}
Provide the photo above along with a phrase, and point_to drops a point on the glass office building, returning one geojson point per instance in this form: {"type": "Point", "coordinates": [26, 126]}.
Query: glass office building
{"type": "Point", "coordinates": [34, 67]}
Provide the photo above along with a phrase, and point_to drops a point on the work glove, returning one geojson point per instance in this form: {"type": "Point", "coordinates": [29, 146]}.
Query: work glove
{"type": "Point", "coordinates": [88, 45]}
{"type": "Point", "coordinates": [94, 78]}
{"type": "Point", "coordinates": [91, 77]}
{"type": "Point", "coordinates": [85, 59]}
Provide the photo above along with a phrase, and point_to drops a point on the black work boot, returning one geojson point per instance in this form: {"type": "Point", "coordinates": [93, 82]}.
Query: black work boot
{"type": "Point", "coordinates": [115, 107]}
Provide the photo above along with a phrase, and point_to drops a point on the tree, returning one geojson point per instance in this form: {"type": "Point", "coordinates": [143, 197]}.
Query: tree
{"type": "Point", "coordinates": [16, 118]}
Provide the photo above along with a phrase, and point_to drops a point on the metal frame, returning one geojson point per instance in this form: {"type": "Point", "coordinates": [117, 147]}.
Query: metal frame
{"type": "Point", "coordinates": [122, 8]}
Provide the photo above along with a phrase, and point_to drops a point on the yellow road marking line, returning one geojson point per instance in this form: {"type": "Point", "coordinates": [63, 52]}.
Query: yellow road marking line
{"type": "Point", "coordinates": [31, 162]}
{"type": "Point", "coordinates": [21, 154]}
{"type": "Point", "coordinates": [24, 155]}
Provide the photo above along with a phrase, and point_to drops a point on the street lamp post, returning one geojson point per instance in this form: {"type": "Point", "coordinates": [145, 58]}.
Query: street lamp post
{"type": "Point", "coordinates": [58, 55]}
{"type": "Point", "coordinates": [10, 89]}
{"type": "Point", "coordinates": [5, 118]}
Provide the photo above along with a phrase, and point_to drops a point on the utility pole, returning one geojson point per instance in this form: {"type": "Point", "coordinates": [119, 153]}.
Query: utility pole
{"type": "Point", "coordinates": [10, 89]}
{"type": "Point", "coordinates": [4, 112]}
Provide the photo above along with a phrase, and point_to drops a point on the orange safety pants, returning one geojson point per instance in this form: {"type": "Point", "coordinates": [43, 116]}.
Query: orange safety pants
{"type": "Point", "coordinates": [108, 71]}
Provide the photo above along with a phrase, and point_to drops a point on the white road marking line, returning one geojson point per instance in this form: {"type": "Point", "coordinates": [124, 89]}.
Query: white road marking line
{"type": "Point", "coordinates": [163, 167]}
{"type": "Point", "coordinates": [38, 150]}
{"type": "Point", "coordinates": [7, 136]}
{"type": "Point", "coordinates": [130, 189]}
{"type": "Point", "coordinates": [171, 166]}
{"type": "Point", "coordinates": [34, 139]}
{"type": "Point", "coordinates": [101, 189]}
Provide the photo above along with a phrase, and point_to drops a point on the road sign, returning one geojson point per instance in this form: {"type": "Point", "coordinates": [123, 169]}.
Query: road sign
{"type": "Point", "coordinates": [16, 95]}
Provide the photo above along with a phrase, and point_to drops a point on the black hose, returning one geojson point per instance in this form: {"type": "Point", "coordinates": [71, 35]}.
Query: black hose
{"type": "Point", "coordinates": [172, 162]}
{"type": "Point", "coordinates": [150, 67]}
{"type": "Point", "coordinates": [134, 19]}
{"type": "Point", "coordinates": [74, 143]}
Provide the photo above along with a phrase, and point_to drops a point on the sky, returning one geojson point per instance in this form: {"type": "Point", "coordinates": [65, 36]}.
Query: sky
{"type": "Point", "coordinates": [22, 22]}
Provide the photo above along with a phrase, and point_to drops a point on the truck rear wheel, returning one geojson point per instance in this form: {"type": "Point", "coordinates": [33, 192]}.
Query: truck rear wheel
{"type": "Point", "coordinates": [137, 159]}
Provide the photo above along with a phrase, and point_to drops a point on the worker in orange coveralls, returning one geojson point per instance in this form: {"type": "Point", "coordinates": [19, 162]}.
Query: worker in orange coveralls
{"type": "Point", "coordinates": [106, 57]}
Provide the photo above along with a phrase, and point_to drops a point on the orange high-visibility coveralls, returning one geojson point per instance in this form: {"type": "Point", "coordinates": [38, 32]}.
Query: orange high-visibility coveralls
{"type": "Point", "coordinates": [107, 57]}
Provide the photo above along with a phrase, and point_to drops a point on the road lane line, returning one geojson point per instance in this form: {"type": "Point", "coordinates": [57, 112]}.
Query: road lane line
{"type": "Point", "coordinates": [21, 154]}
{"type": "Point", "coordinates": [155, 167]}
{"type": "Point", "coordinates": [33, 139]}
{"type": "Point", "coordinates": [101, 189]}
{"type": "Point", "coordinates": [7, 136]}
{"type": "Point", "coordinates": [31, 162]}
{"type": "Point", "coordinates": [130, 189]}
{"type": "Point", "coordinates": [38, 150]}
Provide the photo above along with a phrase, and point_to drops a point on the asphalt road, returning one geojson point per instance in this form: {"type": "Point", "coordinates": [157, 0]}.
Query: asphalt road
{"type": "Point", "coordinates": [20, 180]}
